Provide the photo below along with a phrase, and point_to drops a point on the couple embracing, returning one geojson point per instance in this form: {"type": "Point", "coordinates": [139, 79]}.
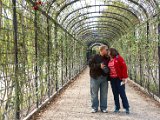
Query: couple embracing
{"type": "Point", "coordinates": [106, 66]}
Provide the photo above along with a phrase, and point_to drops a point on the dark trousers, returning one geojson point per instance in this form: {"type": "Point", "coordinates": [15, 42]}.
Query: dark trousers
{"type": "Point", "coordinates": [117, 90]}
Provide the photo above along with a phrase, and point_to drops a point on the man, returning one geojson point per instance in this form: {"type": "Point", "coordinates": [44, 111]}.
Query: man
{"type": "Point", "coordinates": [99, 73]}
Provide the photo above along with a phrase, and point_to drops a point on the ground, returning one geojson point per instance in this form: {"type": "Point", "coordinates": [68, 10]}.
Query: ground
{"type": "Point", "coordinates": [74, 104]}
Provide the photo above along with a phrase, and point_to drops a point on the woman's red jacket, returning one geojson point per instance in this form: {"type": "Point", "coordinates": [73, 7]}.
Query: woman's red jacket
{"type": "Point", "coordinates": [121, 67]}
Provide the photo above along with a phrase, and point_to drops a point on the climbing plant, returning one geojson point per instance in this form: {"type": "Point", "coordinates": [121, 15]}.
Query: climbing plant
{"type": "Point", "coordinates": [141, 54]}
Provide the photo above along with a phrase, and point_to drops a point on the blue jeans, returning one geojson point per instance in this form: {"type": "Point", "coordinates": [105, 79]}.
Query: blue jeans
{"type": "Point", "coordinates": [96, 84]}
{"type": "Point", "coordinates": [117, 90]}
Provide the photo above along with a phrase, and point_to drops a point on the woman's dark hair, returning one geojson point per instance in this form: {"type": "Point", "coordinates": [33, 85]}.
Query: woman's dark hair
{"type": "Point", "coordinates": [113, 52]}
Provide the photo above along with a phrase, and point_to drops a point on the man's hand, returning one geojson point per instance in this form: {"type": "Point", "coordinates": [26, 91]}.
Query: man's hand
{"type": "Point", "coordinates": [102, 66]}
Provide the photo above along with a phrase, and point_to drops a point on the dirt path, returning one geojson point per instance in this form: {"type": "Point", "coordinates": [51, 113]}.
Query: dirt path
{"type": "Point", "coordinates": [74, 104]}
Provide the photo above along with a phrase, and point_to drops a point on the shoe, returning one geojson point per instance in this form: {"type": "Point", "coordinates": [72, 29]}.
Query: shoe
{"type": "Point", "coordinates": [116, 111]}
{"type": "Point", "coordinates": [104, 111]}
{"type": "Point", "coordinates": [93, 111]}
{"type": "Point", "coordinates": [127, 111]}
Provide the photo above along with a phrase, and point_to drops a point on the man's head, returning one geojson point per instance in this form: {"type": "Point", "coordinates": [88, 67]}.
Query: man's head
{"type": "Point", "coordinates": [103, 50]}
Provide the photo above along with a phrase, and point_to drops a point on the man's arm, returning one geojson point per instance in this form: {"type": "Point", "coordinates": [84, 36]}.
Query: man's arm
{"type": "Point", "coordinates": [93, 64]}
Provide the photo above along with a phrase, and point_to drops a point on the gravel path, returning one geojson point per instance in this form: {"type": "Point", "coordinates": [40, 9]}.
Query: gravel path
{"type": "Point", "coordinates": [74, 104]}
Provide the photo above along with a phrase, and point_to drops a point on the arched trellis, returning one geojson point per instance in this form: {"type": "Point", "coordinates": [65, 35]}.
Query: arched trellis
{"type": "Point", "coordinates": [66, 5]}
{"type": "Point", "coordinates": [42, 51]}
{"type": "Point", "coordinates": [97, 22]}
{"type": "Point", "coordinates": [154, 4]}
{"type": "Point", "coordinates": [90, 35]}
{"type": "Point", "coordinates": [111, 18]}
{"type": "Point", "coordinates": [63, 7]}
{"type": "Point", "coordinates": [120, 17]}
{"type": "Point", "coordinates": [121, 8]}
{"type": "Point", "coordinates": [107, 28]}
{"type": "Point", "coordinates": [70, 22]}
{"type": "Point", "coordinates": [115, 28]}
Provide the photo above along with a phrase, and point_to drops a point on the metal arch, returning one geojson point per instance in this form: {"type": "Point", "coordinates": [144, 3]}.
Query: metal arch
{"type": "Point", "coordinates": [66, 5]}
{"type": "Point", "coordinates": [96, 39]}
{"type": "Point", "coordinates": [102, 12]}
{"type": "Point", "coordinates": [105, 43]}
{"type": "Point", "coordinates": [96, 32]}
{"type": "Point", "coordinates": [97, 17]}
{"type": "Point", "coordinates": [107, 25]}
{"type": "Point", "coordinates": [88, 33]}
{"type": "Point", "coordinates": [81, 32]}
{"type": "Point", "coordinates": [100, 39]}
{"type": "Point", "coordinates": [91, 35]}
{"type": "Point", "coordinates": [95, 44]}
{"type": "Point", "coordinates": [113, 23]}
{"type": "Point", "coordinates": [115, 28]}
{"type": "Point", "coordinates": [94, 12]}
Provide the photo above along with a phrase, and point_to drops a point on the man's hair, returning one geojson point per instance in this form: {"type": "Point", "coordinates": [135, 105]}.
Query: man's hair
{"type": "Point", "coordinates": [102, 47]}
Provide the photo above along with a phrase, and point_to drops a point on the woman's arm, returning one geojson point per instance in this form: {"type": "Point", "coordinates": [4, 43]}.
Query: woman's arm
{"type": "Point", "coordinates": [123, 67]}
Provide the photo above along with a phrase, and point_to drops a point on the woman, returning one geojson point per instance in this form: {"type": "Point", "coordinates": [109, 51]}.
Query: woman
{"type": "Point", "coordinates": [118, 77]}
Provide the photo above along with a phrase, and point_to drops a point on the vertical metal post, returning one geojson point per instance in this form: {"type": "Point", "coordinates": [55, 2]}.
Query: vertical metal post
{"type": "Point", "coordinates": [36, 56]}
{"type": "Point", "coordinates": [66, 59]}
{"type": "Point", "coordinates": [48, 57]}
{"type": "Point", "coordinates": [147, 57]}
{"type": "Point", "coordinates": [140, 63]}
{"type": "Point", "coordinates": [69, 61]}
{"type": "Point", "coordinates": [56, 49]}
{"type": "Point", "coordinates": [159, 54]}
{"type": "Point", "coordinates": [130, 60]}
{"type": "Point", "coordinates": [135, 66]}
{"type": "Point", "coordinates": [62, 46]}
{"type": "Point", "coordinates": [17, 87]}
{"type": "Point", "coordinates": [0, 14]}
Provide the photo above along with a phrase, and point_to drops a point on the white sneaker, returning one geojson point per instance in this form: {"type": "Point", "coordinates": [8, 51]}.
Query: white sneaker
{"type": "Point", "coordinates": [104, 111]}
{"type": "Point", "coordinates": [94, 111]}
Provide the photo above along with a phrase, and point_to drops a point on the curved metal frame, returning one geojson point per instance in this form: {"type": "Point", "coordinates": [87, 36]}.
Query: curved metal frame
{"type": "Point", "coordinates": [119, 7]}
{"type": "Point", "coordinates": [66, 5]}
{"type": "Point", "coordinates": [97, 43]}
{"type": "Point", "coordinates": [97, 17]}
{"type": "Point", "coordinates": [102, 12]}
{"type": "Point", "coordinates": [81, 32]}
{"type": "Point", "coordinates": [95, 11]}
{"type": "Point", "coordinates": [90, 35]}
{"type": "Point", "coordinates": [99, 33]}
{"type": "Point", "coordinates": [99, 25]}
{"type": "Point", "coordinates": [101, 22]}
{"type": "Point", "coordinates": [109, 16]}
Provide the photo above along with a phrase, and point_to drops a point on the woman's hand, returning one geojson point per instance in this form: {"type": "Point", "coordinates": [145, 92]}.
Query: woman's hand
{"type": "Point", "coordinates": [124, 81]}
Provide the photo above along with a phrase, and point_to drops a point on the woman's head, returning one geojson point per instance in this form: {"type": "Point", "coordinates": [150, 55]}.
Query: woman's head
{"type": "Point", "coordinates": [112, 52]}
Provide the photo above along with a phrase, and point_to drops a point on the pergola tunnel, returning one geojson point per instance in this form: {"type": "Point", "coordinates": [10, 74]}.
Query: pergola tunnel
{"type": "Point", "coordinates": [46, 43]}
